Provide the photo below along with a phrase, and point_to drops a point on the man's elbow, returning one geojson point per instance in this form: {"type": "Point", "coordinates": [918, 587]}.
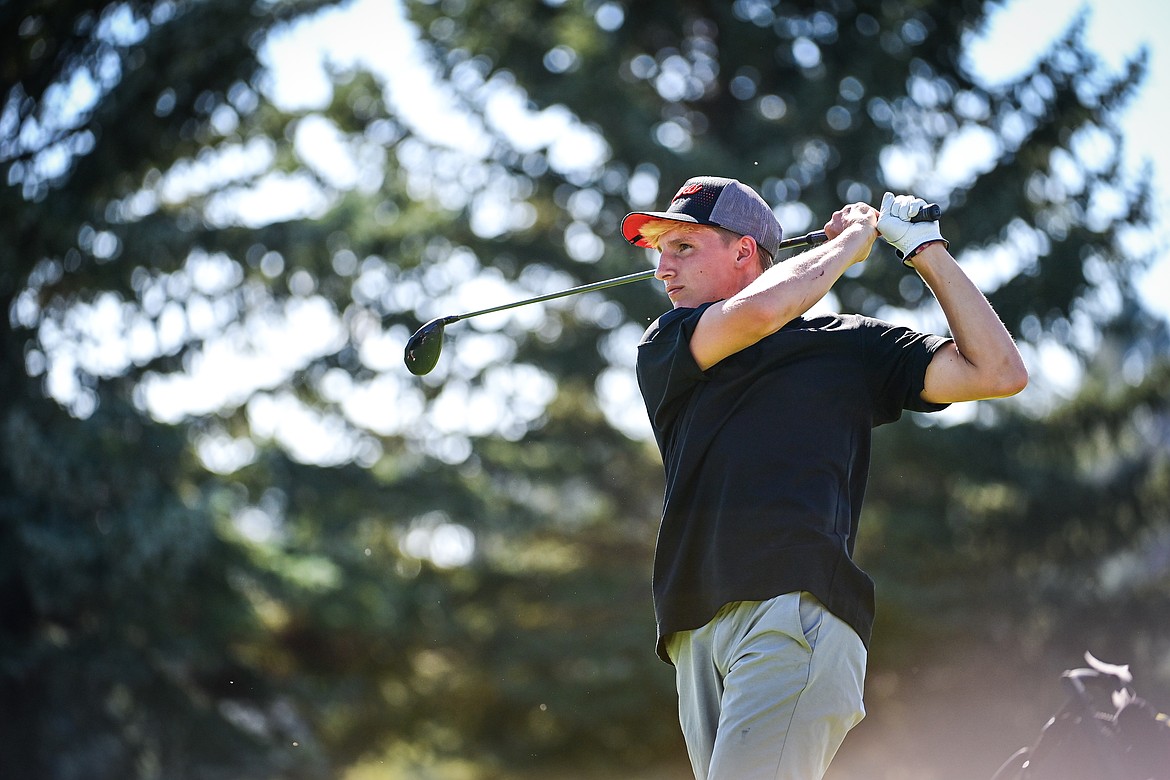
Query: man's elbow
{"type": "Point", "coordinates": [1011, 378]}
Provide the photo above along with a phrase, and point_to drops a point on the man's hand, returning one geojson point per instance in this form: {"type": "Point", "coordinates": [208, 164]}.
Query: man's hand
{"type": "Point", "coordinates": [862, 215]}
{"type": "Point", "coordinates": [896, 228]}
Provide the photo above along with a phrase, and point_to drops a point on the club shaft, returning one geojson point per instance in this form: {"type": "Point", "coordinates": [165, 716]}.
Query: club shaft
{"type": "Point", "coordinates": [635, 277]}
{"type": "Point", "coordinates": [808, 239]}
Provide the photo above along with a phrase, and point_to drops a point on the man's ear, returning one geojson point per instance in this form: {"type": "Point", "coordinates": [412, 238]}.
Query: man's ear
{"type": "Point", "coordinates": [745, 250]}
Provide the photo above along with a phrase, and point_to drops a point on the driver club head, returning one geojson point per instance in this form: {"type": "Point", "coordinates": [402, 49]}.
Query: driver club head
{"type": "Point", "coordinates": [423, 348]}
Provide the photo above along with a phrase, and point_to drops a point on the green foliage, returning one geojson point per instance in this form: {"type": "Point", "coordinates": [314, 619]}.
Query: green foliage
{"type": "Point", "coordinates": [475, 596]}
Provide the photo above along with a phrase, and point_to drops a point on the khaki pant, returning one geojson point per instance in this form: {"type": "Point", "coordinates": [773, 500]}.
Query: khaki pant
{"type": "Point", "coordinates": [768, 690]}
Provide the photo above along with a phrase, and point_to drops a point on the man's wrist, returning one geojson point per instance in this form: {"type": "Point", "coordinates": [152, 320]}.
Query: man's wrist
{"type": "Point", "coordinates": [861, 232]}
{"type": "Point", "coordinates": [907, 260]}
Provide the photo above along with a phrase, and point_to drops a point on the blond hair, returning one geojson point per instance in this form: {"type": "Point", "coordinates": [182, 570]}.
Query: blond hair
{"type": "Point", "coordinates": [653, 231]}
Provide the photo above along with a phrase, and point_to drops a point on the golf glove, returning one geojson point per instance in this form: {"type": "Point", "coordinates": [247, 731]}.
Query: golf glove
{"type": "Point", "coordinates": [896, 228]}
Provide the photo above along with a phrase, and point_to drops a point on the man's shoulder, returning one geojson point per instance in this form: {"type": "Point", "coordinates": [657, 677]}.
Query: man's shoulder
{"type": "Point", "coordinates": [832, 321]}
{"type": "Point", "coordinates": [672, 319]}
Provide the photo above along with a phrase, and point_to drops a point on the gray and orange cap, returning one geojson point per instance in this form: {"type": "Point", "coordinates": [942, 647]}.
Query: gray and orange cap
{"type": "Point", "coordinates": [715, 201]}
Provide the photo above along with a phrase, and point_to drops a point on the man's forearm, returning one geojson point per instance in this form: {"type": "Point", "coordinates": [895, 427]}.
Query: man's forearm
{"type": "Point", "coordinates": [789, 289]}
{"type": "Point", "coordinates": [784, 291]}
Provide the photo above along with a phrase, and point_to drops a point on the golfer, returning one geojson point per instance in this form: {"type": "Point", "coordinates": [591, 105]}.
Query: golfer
{"type": "Point", "coordinates": [763, 418]}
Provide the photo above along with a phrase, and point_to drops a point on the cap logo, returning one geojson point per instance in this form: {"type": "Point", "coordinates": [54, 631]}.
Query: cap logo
{"type": "Point", "coordinates": [690, 189]}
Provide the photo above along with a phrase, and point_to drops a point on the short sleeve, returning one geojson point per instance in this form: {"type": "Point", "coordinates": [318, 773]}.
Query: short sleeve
{"type": "Point", "coordinates": [896, 359]}
{"type": "Point", "coordinates": [667, 371]}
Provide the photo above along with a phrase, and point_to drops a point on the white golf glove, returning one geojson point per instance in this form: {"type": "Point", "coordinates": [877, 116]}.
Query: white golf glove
{"type": "Point", "coordinates": [896, 228]}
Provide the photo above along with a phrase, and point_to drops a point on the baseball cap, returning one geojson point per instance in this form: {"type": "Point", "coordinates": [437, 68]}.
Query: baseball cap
{"type": "Point", "coordinates": [715, 201]}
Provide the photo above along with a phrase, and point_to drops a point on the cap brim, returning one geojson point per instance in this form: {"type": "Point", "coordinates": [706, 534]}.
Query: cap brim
{"type": "Point", "coordinates": [633, 222]}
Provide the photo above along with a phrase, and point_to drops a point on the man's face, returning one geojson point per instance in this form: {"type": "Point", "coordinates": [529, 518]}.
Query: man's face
{"type": "Point", "coordinates": [697, 266]}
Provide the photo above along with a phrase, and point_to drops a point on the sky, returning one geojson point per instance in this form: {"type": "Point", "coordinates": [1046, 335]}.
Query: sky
{"type": "Point", "coordinates": [249, 359]}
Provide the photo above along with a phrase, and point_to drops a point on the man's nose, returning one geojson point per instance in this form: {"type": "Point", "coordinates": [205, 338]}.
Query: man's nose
{"type": "Point", "coordinates": [665, 268]}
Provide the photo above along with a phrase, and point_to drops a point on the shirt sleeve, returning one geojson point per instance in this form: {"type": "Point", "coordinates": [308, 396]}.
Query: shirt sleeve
{"type": "Point", "coordinates": [897, 358]}
{"type": "Point", "coordinates": [667, 371]}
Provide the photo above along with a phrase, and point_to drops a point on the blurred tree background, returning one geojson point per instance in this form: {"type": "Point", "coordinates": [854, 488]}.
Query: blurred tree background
{"type": "Point", "coordinates": [237, 539]}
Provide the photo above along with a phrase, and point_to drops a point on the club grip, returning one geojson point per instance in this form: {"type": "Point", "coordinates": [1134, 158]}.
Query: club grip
{"type": "Point", "coordinates": [928, 213]}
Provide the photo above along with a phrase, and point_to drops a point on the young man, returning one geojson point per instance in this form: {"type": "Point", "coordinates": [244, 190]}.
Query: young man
{"type": "Point", "coordinates": [763, 418]}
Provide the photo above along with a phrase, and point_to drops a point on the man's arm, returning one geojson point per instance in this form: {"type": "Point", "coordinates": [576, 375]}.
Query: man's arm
{"type": "Point", "coordinates": [983, 361]}
{"type": "Point", "coordinates": [786, 290]}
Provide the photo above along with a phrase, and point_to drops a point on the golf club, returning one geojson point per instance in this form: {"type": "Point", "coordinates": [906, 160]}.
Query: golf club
{"type": "Point", "coordinates": [423, 348]}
